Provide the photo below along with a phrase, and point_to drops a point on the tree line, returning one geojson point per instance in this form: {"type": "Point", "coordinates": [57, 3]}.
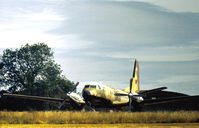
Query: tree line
{"type": "Point", "coordinates": [32, 70]}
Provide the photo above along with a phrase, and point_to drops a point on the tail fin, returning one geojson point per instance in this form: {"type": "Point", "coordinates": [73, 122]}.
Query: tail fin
{"type": "Point", "coordinates": [135, 80]}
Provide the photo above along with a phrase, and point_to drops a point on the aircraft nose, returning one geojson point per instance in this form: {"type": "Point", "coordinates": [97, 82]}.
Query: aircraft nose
{"type": "Point", "coordinates": [86, 94]}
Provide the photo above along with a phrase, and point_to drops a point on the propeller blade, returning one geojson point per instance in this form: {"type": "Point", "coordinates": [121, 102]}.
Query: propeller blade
{"type": "Point", "coordinates": [69, 91]}
{"type": "Point", "coordinates": [131, 80]}
{"type": "Point", "coordinates": [60, 89]}
{"type": "Point", "coordinates": [139, 95]}
{"type": "Point", "coordinates": [131, 85]}
{"type": "Point", "coordinates": [62, 103]}
{"type": "Point", "coordinates": [120, 94]}
{"type": "Point", "coordinates": [73, 89]}
{"type": "Point", "coordinates": [130, 106]}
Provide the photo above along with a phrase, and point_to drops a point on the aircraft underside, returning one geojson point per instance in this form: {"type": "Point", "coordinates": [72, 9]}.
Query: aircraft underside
{"type": "Point", "coordinates": [101, 104]}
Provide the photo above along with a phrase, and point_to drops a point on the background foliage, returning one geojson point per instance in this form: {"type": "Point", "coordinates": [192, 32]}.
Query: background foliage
{"type": "Point", "coordinates": [32, 70]}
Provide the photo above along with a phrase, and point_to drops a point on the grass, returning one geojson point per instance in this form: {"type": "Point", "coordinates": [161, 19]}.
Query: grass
{"type": "Point", "coordinates": [181, 125]}
{"type": "Point", "coordinates": [70, 117]}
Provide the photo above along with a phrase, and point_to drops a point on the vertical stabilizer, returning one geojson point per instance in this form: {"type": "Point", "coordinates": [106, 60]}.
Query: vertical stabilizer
{"type": "Point", "coordinates": [135, 80]}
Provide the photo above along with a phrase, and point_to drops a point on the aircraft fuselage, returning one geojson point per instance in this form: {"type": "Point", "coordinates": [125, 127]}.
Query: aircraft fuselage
{"type": "Point", "coordinates": [103, 96]}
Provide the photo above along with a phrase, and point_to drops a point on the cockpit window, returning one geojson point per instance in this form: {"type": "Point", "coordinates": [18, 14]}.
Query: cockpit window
{"type": "Point", "coordinates": [86, 86]}
{"type": "Point", "coordinates": [92, 86]}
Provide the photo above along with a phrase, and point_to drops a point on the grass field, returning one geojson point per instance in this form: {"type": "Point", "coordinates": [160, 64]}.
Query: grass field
{"type": "Point", "coordinates": [167, 125]}
{"type": "Point", "coordinates": [71, 117]}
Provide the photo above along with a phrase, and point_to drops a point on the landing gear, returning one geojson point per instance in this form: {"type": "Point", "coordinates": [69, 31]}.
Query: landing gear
{"type": "Point", "coordinates": [88, 107]}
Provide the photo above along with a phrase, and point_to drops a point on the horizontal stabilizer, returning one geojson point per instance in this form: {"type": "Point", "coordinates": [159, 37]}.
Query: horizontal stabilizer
{"type": "Point", "coordinates": [152, 90]}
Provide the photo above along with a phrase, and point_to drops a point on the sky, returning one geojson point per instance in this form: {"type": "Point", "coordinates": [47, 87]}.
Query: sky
{"type": "Point", "coordinates": [98, 40]}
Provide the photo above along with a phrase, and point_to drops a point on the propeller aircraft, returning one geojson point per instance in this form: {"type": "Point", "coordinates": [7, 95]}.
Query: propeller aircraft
{"type": "Point", "coordinates": [100, 97]}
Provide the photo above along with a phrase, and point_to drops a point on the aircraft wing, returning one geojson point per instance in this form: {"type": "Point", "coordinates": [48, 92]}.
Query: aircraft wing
{"type": "Point", "coordinates": [168, 100]}
{"type": "Point", "coordinates": [38, 98]}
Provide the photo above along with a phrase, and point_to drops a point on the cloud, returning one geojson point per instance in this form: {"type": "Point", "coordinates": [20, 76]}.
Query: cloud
{"type": "Point", "coordinates": [160, 54]}
{"type": "Point", "coordinates": [179, 79]}
{"type": "Point", "coordinates": [129, 22]}
{"type": "Point", "coordinates": [178, 5]}
{"type": "Point", "coordinates": [21, 24]}
{"type": "Point", "coordinates": [102, 28]}
{"type": "Point", "coordinates": [164, 41]}
{"type": "Point", "coordinates": [132, 27]}
{"type": "Point", "coordinates": [43, 16]}
{"type": "Point", "coordinates": [181, 83]}
{"type": "Point", "coordinates": [173, 5]}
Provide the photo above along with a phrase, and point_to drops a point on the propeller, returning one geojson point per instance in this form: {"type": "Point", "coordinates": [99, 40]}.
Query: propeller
{"type": "Point", "coordinates": [122, 94]}
{"type": "Point", "coordinates": [130, 95]}
{"type": "Point", "coordinates": [68, 96]}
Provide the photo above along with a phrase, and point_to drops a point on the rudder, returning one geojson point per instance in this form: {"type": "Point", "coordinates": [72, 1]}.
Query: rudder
{"type": "Point", "coordinates": [135, 79]}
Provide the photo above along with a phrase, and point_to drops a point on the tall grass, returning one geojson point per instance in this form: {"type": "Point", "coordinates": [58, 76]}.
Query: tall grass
{"type": "Point", "coordinates": [70, 117]}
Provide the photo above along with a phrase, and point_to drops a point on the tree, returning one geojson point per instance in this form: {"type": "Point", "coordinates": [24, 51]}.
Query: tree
{"type": "Point", "coordinates": [32, 70]}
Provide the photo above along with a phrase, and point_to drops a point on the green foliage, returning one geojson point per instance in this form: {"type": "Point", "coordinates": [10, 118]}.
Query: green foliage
{"type": "Point", "coordinates": [32, 70]}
